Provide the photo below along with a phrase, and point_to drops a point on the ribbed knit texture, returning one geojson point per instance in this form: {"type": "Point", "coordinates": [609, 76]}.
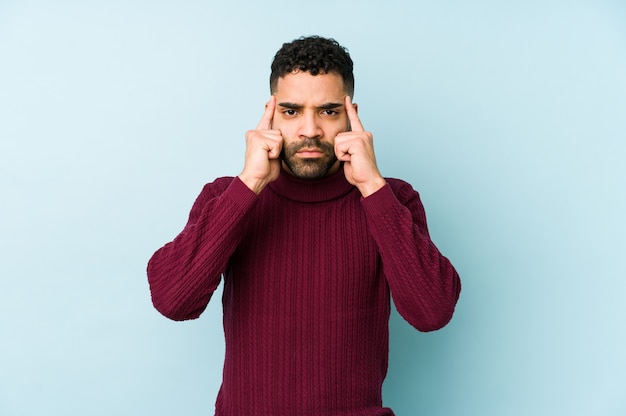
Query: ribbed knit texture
{"type": "Point", "coordinates": [308, 268]}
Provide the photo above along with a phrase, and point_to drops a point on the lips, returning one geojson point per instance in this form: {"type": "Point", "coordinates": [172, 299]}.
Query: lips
{"type": "Point", "coordinates": [310, 152]}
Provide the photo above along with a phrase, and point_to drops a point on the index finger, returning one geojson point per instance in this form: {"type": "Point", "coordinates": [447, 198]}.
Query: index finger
{"type": "Point", "coordinates": [268, 116]}
{"type": "Point", "coordinates": [353, 117]}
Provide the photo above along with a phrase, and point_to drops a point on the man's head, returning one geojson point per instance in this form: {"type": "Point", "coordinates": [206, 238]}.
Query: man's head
{"type": "Point", "coordinates": [315, 55]}
{"type": "Point", "coordinates": [310, 80]}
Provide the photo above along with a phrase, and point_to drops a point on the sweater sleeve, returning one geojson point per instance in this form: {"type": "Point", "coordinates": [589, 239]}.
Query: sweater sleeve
{"type": "Point", "coordinates": [185, 272]}
{"type": "Point", "coordinates": [424, 285]}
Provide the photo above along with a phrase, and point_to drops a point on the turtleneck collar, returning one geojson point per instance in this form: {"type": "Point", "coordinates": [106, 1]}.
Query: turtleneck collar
{"type": "Point", "coordinates": [320, 190]}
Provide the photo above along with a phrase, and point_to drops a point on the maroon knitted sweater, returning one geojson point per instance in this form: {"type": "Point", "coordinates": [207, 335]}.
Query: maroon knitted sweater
{"type": "Point", "coordinates": [308, 267]}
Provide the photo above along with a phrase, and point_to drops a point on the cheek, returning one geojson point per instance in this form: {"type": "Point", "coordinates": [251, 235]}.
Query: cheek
{"type": "Point", "coordinates": [333, 129]}
{"type": "Point", "coordinates": [279, 124]}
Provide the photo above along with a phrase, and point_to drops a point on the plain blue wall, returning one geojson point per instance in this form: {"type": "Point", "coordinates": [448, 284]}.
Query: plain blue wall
{"type": "Point", "coordinates": [508, 117]}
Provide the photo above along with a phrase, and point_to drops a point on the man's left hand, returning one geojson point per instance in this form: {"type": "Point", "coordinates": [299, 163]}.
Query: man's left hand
{"type": "Point", "coordinates": [356, 149]}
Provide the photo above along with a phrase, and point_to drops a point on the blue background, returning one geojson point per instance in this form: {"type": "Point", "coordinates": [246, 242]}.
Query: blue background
{"type": "Point", "coordinates": [508, 117]}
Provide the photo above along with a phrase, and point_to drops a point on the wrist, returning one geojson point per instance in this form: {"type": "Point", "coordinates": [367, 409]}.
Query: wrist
{"type": "Point", "coordinates": [254, 184]}
{"type": "Point", "coordinates": [370, 187]}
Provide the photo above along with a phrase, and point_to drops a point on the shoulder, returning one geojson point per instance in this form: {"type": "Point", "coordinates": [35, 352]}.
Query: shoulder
{"type": "Point", "coordinates": [218, 185]}
{"type": "Point", "coordinates": [213, 189]}
{"type": "Point", "coordinates": [403, 190]}
{"type": "Point", "coordinates": [409, 198]}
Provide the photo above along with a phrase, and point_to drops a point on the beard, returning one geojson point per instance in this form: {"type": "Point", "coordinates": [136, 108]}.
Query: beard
{"type": "Point", "coordinates": [309, 168]}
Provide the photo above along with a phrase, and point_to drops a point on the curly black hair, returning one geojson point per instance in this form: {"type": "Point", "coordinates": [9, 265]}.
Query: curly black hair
{"type": "Point", "coordinates": [315, 55]}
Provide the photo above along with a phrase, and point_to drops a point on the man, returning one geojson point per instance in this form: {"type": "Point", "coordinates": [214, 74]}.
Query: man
{"type": "Point", "coordinates": [311, 241]}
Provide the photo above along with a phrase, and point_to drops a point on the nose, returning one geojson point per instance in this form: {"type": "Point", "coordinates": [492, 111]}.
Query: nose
{"type": "Point", "coordinates": [310, 127]}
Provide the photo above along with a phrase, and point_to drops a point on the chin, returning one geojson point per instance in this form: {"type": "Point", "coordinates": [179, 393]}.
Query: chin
{"type": "Point", "coordinates": [310, 169]}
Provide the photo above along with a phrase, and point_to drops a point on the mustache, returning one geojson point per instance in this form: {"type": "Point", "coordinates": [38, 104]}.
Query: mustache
{"type": "Point", "coordinates": [309, 143]}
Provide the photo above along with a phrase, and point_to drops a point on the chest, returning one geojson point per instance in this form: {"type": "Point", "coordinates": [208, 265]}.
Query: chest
{"type": "Point", "coordinates": [308, 251]}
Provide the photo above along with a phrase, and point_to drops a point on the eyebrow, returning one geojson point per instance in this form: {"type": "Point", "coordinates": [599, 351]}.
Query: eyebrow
{"type": "Point", "coordinates": [325, 106]}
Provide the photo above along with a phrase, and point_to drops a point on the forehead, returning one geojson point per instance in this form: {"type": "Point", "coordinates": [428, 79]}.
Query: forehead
{"type": "Point", "coordinates": [302, 87]}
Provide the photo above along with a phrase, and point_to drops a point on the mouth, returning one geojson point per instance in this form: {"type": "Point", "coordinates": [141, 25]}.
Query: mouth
{"type": "Point", "coordinates": [310, 153]}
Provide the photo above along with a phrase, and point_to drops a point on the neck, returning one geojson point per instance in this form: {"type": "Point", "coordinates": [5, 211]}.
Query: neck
{"type": "Point", "coordinates": [332, 186]}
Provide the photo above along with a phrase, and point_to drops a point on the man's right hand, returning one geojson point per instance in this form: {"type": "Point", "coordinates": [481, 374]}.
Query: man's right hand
{"type": "Point", "coordinates": [263, 147]}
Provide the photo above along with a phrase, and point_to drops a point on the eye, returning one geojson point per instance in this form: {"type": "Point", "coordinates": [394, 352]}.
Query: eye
{"type": "Point", "coordinates": [329, 112]}
{"type": "Point", "coordinates": [290, 112]}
